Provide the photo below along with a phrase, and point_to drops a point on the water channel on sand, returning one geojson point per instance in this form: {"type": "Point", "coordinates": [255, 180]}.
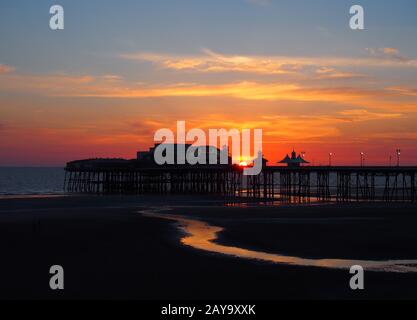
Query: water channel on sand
{"type": "Point", "coordinates": [202, 236]}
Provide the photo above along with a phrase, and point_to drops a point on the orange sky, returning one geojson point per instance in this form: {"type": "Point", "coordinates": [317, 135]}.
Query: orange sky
{"type": "Point", "coordinates": [100, 91]}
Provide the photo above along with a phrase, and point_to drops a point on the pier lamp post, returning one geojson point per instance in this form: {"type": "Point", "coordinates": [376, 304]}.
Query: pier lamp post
{"type": "Point", "coordinates": [398, 157]}
{"type": "Point", "coordinates": [362, 159]}
{"type": "Point", "coordinates": [331, 154]}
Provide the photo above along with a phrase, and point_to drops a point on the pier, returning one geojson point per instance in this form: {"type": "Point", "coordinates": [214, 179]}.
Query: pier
{"type": "Point", "coordinates": [289, 184]}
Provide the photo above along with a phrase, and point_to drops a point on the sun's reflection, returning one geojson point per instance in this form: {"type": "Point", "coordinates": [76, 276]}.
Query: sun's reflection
{"type": "Point", "coordinates": [200, 235]}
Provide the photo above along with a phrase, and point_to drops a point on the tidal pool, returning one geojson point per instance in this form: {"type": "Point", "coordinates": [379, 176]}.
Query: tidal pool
{"type": "Point", "coordinates": [202, 236]}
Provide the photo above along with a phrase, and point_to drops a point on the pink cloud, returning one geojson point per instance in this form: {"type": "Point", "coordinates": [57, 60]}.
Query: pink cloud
{"type": "Point", "coordinates": [5, 69]}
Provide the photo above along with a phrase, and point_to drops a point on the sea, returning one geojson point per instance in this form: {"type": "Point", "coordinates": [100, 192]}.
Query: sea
{"type": "Point", "coordinates": [31, 181]}
{"type": "Point", "coordinates": [41, 181]}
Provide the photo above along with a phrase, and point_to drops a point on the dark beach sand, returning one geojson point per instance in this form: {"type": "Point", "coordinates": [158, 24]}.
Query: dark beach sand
{"type": "Point", "coordinates": [109, 250]}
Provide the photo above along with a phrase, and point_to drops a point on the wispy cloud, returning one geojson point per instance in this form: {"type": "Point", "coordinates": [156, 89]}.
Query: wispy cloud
{"type": "Point", "coordinates": [388, 54]}
{"type": "Point", "coordinates": [88, 86]}
{"type": "Point", "coordinates": [323, 73]}
{"type": "Point", "coordinates": [50, 84]}
{"type": "Point", "coordinates": [287, 128]}
{"type": "Point", "coordinates": [63, 85]}
{"type": "Point", "coordinates": [355, 115]}
{"type": "Point", "coordinates": [112, 77]}
{"type": "Point", "coordinates": [406, 91]}
{"type": "Point", "coordinates": [212, 62]}
{"type": "Point", "coordinates": [5, 69]}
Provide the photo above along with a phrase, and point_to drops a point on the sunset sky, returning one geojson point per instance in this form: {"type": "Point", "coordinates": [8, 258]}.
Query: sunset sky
{"type": "Point", "coordinates": [123, 69]}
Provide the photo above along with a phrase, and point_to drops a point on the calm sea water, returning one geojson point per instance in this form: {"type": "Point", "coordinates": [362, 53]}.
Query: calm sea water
{"type": "Point", "coordinates": [31, 181]}
{"type": "Point", "coordinates": [50, 181]}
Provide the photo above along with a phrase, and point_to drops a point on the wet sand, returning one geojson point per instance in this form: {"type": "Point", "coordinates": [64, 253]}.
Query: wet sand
{"type": "Point", "coordinates": [109, 250]}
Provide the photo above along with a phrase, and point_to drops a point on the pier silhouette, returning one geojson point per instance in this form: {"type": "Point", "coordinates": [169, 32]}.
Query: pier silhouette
{"type": "Point", "coordinates": [275, 183]}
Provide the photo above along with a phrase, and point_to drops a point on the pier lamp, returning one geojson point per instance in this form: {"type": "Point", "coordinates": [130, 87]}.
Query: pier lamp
{"type": "Point", "coordinates": [331, 154]}
{"type": "Point", "coordinates": [398, 157]}
{"type": "Point", "coordinates": [362, 159]}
